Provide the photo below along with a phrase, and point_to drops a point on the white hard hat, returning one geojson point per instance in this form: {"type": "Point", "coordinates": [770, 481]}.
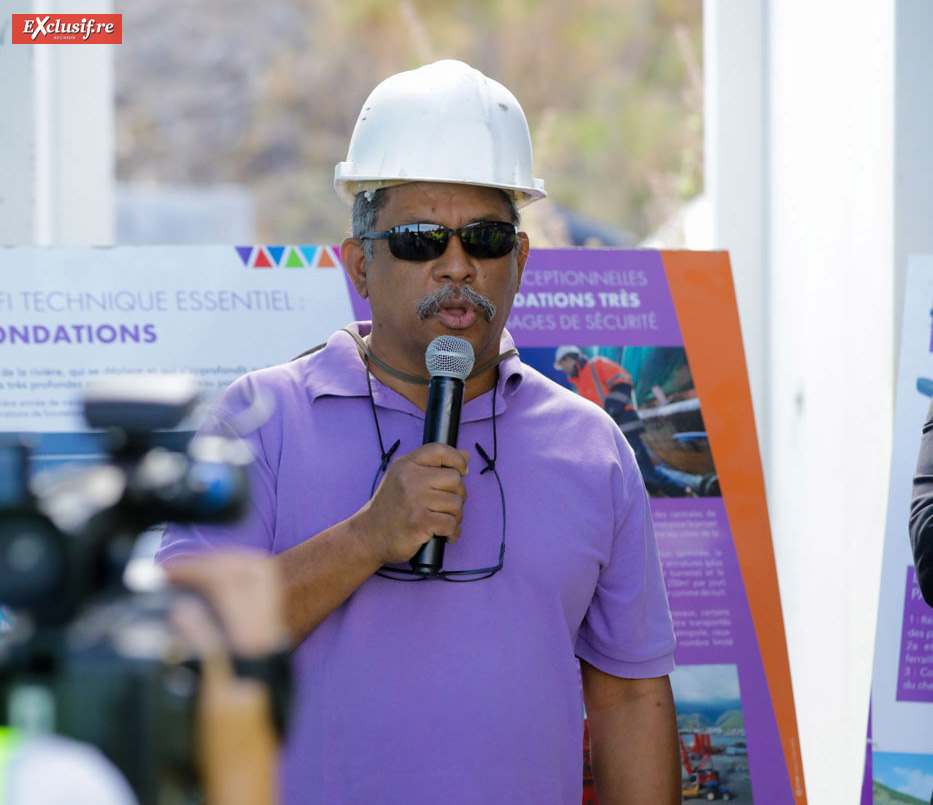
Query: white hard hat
{"type": "Point", "coordinates": [444, 122]}
{"type": "Point", "coordinates": [564, 352]}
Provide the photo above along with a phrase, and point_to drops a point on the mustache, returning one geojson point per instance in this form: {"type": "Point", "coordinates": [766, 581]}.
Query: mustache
{"type": "Point", "coordinates": [431, 304]}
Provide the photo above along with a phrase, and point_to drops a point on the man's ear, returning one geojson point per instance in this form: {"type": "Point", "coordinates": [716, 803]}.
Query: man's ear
{"type": "Point", "coordinates": [522, 256]}
{"type": "Point", "coordinates": [353, 257]}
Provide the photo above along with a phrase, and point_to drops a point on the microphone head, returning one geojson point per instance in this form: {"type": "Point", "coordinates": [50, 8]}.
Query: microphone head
{"type": "Point", "coordinates": [449, 356]}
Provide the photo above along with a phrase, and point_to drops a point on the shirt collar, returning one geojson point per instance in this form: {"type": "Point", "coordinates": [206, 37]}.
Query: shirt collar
{"type": "Point", "coordinates": [337, 370]}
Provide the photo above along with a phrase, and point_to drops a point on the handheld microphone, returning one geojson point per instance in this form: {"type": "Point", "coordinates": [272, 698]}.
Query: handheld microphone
{"type": "Point", "coordinates": [449, 360]}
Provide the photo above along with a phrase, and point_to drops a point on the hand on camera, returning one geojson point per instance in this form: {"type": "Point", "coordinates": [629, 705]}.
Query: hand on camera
{"type": "Point", "coordinates": [246, 593]}
{"type": "Point", "coordinates": [237, 740]}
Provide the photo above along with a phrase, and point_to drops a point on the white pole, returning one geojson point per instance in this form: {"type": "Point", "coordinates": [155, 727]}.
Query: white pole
{"type": "Point", "coordinates": [56, 138]}
{"type": "Point", "coordinates": [831, 167]}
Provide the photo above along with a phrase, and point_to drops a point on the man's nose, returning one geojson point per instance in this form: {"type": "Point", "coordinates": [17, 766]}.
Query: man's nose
{"type": "Point", "coordinates": [455, 265]}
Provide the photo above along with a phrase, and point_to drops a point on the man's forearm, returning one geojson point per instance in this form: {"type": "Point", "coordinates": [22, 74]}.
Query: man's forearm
{"type": "Point", "coordinates": [633, 739]}
{"type": "Point", "coordinates": [321, 573]}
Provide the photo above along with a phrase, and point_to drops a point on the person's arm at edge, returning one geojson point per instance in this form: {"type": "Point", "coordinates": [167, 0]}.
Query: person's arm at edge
{"type": "Point", "coordinates": [921, 512]}
{"type": "Point", "coordinates": [633, 738]}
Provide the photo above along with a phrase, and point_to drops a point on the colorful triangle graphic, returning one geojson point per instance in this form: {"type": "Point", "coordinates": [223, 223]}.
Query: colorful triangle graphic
{"type": "Point", "coordinates": [275, 252]}
{"type": "Point", "coordinates": [245, 253]}
{"type": "Point", "coordinates": [310, 253]}
{"type": "Point", "coordinates": [262, 259]}
{"type": "Point", "coordinates": [294, 259]}
{"type": "Point", "coordinates": [326, 259]}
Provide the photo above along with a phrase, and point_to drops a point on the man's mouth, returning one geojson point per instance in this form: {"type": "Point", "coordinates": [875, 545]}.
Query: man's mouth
{"type": "Point", "coordinates": [456, 313]}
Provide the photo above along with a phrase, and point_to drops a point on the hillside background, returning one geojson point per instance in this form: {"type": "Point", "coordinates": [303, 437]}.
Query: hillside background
{"type": "Point", "coordinates": [263, 96]}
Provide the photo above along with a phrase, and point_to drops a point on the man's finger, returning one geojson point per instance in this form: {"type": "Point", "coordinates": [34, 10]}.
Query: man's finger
{"type": "Point", "coordinates": [448, 480]}
{"type": "Point", "coordinates": [444, 503]}
{"type": "Point", "coordinates": [444, 525]}
{"type": "Point", "coordinates": [441, 455]}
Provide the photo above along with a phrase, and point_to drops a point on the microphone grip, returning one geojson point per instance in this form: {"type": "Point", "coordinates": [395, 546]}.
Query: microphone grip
{"type": "Point", "coordinates": [441, 424]}
{"type": "Point", "coordinates": [430, 557]}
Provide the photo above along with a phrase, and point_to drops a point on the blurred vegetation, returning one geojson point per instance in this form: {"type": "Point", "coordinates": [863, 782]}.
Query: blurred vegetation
{"type": "Point", "coordinates": [265, 95]}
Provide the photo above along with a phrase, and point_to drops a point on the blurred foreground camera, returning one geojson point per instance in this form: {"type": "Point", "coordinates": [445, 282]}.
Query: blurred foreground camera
{"type": "Point", "coordinates": [86, 658]}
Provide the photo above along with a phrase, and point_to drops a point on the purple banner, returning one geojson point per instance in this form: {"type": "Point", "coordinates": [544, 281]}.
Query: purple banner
{"type": "Point", "coordinates": [611, 297]}
{"type": "Point", "coordinates": [716, 638]}
{"type": "Point", "coordinates": [704, 583]}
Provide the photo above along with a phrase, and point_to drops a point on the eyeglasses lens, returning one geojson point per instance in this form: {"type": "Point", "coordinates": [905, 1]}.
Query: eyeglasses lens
{"type": "Point", "coordinates": [482, 240]}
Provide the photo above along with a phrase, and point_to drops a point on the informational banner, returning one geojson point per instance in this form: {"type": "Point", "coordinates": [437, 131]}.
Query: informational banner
{"type": "Point", "coordinates": [658, 345]}
{"type": "Point", "coordinates": [71, 316]}
{"type": "Point", "coordinates": [669, 321]}
{"type": "Point", "coordinates": [899, 760]}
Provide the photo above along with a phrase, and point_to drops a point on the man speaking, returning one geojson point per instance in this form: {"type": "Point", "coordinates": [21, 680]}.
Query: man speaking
{"type": "Point", "coordinates": [461, 684]}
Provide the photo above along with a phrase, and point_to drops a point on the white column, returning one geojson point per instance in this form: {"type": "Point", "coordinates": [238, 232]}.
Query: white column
{"type": "Point", "coordinates": [800, 170]}
{"type": "Point", "coordinates": [57, 148]}
{"type": "Point", "coordinates": [17, 144]}
{"type": "Point", "coordinates": [735, 178]}
{"type": "Point", "coordinates": [913, 138]}
{"type": "Point", "coordinates": [830, 134]}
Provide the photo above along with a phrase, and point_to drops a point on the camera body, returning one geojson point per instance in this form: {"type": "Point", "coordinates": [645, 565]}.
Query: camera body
{"type": "Point", "coordinates": [87, 658]}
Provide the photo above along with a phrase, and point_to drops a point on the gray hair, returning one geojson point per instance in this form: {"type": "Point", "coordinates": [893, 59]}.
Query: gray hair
{"type": "Point", "coordinates": [366, 206]}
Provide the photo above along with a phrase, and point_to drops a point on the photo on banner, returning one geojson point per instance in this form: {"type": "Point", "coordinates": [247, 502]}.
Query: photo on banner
{"type": "Point", "coordinates": [663, 421]}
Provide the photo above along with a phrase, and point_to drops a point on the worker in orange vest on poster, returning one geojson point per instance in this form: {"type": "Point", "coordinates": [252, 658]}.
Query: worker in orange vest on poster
{"type": "Point", "coordinates": [610, 386]}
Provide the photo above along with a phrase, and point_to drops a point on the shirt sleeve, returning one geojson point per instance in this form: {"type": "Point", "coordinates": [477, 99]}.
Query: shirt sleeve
{"type": "Point", "coordinates": [627, 631]}
{"type": "Point", "coordinates": [921, 512]}
{"type": "Point", "coordinates": [256, 529]}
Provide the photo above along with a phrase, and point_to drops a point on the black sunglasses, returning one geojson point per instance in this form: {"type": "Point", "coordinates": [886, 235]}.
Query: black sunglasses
{"type": "Point", "coordinates": [419, 242]}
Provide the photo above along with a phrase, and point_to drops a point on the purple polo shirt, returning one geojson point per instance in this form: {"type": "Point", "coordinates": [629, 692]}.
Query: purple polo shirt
{"type": "Point", "coordinates": [433, 691]}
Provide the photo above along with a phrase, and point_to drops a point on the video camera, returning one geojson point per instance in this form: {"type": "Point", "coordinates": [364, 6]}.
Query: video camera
{"type": "Point", "coordinates": [87, 658]}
